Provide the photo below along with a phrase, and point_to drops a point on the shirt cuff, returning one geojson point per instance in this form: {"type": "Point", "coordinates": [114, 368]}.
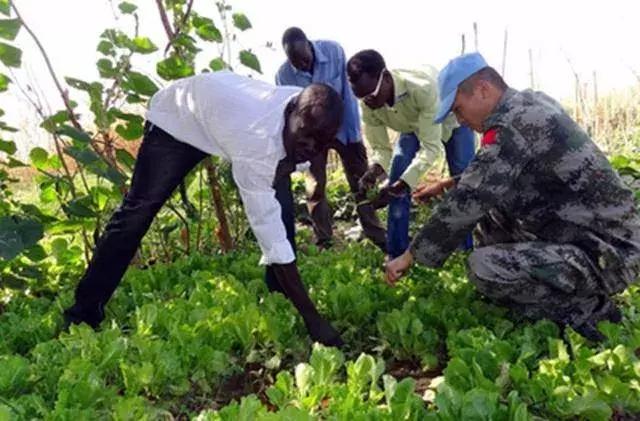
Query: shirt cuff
{"type": "Point", "coordinates": [280, 253]}
{"type": "Point", "coordinates": [425, 254]}
{"type": "Point", "coordinates": [411, 178]}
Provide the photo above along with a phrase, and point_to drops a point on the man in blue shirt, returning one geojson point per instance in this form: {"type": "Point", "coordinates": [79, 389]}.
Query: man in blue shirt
{"type": "Point", "coordinates": [324, 62]}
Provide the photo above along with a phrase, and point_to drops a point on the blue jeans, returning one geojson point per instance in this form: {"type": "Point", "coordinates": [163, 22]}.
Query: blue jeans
{"type": "Point", "coordinates": [460, 150]}
{"type": "Point", "coordinates": [398, 218]}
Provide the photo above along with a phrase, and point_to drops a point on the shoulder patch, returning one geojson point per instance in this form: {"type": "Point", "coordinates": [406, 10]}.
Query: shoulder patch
{"type": "Point", "coordinates": [489, 137]}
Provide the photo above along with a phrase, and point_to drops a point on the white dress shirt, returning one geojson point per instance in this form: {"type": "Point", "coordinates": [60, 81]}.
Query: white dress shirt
{"type": "Point", "coordinates": [241, 120]}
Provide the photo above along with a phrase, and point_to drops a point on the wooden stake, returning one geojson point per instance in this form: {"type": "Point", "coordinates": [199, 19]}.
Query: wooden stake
{"type": "Point", "coordinates": [504, 51]}
{"type": "Point", "coordinates": [532, 83]}
{"type": "Point", "coordinates": [475, 35]}
{"type": "Point", "coordinates": [596, 115]}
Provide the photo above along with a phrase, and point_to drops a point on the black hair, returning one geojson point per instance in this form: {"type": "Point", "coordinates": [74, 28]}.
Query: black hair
{"type": "Point", "coordinates": [365, 61]}
{"type": "Point", "coordinates": [320, 106]}
{"type": "Point", "coordinates": [292, 35]}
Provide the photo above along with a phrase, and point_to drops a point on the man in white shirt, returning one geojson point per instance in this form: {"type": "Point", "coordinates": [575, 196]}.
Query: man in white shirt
{"type": "Point", "coordinates": [264, 131]}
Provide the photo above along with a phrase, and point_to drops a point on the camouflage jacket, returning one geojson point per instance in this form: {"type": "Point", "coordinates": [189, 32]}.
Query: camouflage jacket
{"type": "Point", "coordinates": [547, 174]}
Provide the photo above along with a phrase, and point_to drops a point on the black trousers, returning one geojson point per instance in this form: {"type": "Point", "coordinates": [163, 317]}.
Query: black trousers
{"type": "Point", "coordinates": [355, 164]}
{"type": "Point", "coordinates": [162, 164]}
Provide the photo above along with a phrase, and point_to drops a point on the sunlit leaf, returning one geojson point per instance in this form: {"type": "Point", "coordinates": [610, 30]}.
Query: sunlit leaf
{"type": "Point", "coordinates": [5, 8]}
{"type": "Point", "coordinates": [206, 29]}
{"type": "Point", "coordinates": [9, 28]}
{"type": "Point", "coordinates": [250, 60]}
{"type": "Point", "coordinates": [8, 146]}
{"type": "Point", "coordinates": [241, 21]}
{"type": "Point", "coordinates": [127, 8]}
{"type": "Point", "coordinates": [143, 45]}
{"type": "Point", "coordinates": [10, 56]}
{"type": "Point", "coordinates": [174, 68]}
{"type": "Point", "coordinates": [140, 84]}
{"type": "Point", "coordinates": [217, 64]}
{"type": "Point", "coordinates": [39, 157]}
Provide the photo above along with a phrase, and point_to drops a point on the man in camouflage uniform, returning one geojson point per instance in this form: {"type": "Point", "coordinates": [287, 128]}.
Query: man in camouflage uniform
{"type": "Point", "coordinates": [558, 231]}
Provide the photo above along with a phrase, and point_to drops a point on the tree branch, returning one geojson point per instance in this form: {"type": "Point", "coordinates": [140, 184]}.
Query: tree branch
{"type": "Point", "coordinates": [165, 20]}
{"type": "Point", "coordinates": [178, 29]}
{"type": "Point", "coordinates": [63, 93]}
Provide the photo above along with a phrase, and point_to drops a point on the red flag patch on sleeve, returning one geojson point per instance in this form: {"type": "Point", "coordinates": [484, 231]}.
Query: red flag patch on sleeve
{"type": "Point", "coordinates": [489, 137]}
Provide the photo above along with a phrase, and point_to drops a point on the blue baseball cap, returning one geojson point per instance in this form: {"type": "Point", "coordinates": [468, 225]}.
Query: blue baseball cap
{"type": "Point", "coordinates": [451, 76]}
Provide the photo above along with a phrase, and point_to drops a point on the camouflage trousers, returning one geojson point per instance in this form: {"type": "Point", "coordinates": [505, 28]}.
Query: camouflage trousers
{"type": "Point", "coordinates": [540, 279]}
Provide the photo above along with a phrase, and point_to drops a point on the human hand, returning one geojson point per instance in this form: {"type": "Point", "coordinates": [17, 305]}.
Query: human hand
{"type": "Point", "coordinates": [398, 267]}
{"type": "Point", "coordinates": [371, 177]}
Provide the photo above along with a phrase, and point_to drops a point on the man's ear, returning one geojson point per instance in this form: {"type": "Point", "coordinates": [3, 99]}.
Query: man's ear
{"type": "Point", "coordinates": [484, 88]}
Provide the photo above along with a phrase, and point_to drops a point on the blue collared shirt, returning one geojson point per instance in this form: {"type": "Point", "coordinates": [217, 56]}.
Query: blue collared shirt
{"type": "Point", "coordinates": [330, 68]}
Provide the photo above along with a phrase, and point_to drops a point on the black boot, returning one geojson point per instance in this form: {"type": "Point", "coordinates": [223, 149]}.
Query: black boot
{"type": "Point", "coordinates": [606, 311]}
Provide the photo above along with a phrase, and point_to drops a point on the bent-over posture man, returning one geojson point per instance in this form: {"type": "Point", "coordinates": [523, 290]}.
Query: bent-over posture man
{"type": "Point", "coordinates": [324, 62]}
{"type": "Point", "coordinates": [404, 101]}
{"type": "Point", "coordinates": [557, 231]}
{"type": "Point", "coordinates": [264, 131]}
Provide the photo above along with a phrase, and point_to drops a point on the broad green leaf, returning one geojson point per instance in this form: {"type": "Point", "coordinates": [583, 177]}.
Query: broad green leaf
{"type": "Point", "coordinates": [479, 404]}
{"type": "Point", "coordinates": [106, 68]}
{"type": "Point", "coordinates": [36, 253]}
{"type": "Point", "coordinates": [18, 234]}
{"type": "Point", "coordinates": [48, 194]}
{"type": "Point", "coordinates": [127, 8]}
{"type": "Point", "coordinates": [51, 123]}
{"type": "Point", "coordinates": [140, 84]}
{"type": "Point", "coordinates": [80, 207]}
{"type": "Point", "coordinates": [38, 157]}
{"type": "Point", "coordinates": [143, 45]}
{"type": "Point", "coordinates": [125, 158]}
{"type": "Point", "coordinates": [303, 375]}
{"type": "Point", "coordinates": [133, 130]}
{"type": "Point", "coordinates": [106, 48]}
{"type": "Point", "coordinates": [75, 134]}
{"type": "Point", "coordinates": [10, 56]}
{"type": "Point", "coordinates": [241, 21]}
{"type": "Point", "coordinates": [14, 163]}
{"type": "Point", "coordinates": [111, 174]}
{"type": "Point", "coordinates": [9, 28]}
{"type": "Point", "coordinates": [250, 60]}
{"type": "Point", "coordinates": [8, 146]}
{"type": "Point", "coordinates": [206, 29]}
{"type": "Point", "coordinates": [83, 155]}
{"type": "Point", "coordinates": [7, 128]}
{"type": "Point", "coordinates": [282, 391]}
{"type": "Point", "coordinates": [118, 38]}
{"type": "Point", "coordinates": [217, 64]}
{"type": "Point", "coordinates": [589, 406]}
{"type": "Point", "coordinates": [326, 362]}
{"type": "Point", "coordinates": [78, 84]}
{"type": "Point", "coordinates": [31, 231]}
{"type": "Point", "coordinates": [174, 68]}
{"type": "Point", "coordinates": [4, 82]}
{"type": "Point", "coordinates": [5, 7]}
{"type": "Point", "coordinates": [10, 242]}
{"type": "Point", "coordinates": [187, 42]}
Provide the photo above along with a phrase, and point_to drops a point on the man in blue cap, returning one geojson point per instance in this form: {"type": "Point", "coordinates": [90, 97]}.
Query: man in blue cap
{"type": "Point", "coordinates": [558, 232]}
